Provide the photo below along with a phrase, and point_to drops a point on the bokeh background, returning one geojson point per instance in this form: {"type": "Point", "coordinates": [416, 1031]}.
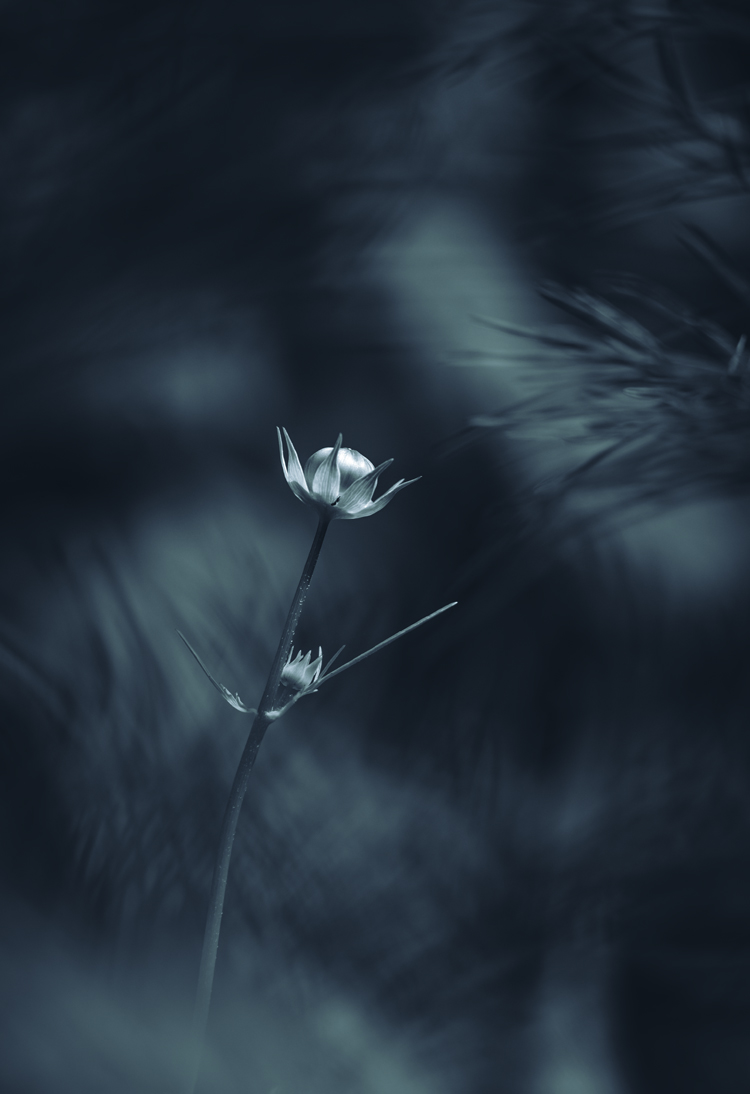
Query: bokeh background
{"type": "Point", "coordinates": [506, 243]}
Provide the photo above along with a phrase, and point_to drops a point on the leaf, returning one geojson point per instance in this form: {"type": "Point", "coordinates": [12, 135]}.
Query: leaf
{"type": "Point", "coordinates": [602, 315]}
{"type": "Point", "coordinates": [703, 247]}
{"type": "Point", "coordinates": [233, 700]}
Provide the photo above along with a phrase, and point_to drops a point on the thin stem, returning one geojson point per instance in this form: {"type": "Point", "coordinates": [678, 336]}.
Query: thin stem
{"type": "Point", "coordinates": [325, 675]}
{"type": "Point", "coordinates": [285, 645]}
{"type": "Point", "coordinates": [231, 816]}
{"type": "Point", "coordinates": [382, 645]}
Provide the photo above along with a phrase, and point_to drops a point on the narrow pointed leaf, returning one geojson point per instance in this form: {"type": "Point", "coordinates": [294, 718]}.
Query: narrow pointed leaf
{"type": "Point", "coordinates": [339, 651]}
{"type": "Point", "coordinates": [381, 645]}
{"type": "Point", "coordinates": [233, 700]}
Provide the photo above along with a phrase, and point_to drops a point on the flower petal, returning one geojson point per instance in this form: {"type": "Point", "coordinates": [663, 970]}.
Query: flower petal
{"type": "Point", "coordinates": [352, 467]}
{"type": "Point", "coordinates": [326, 480]}
{"type": "Point", "coordinates": [316, 666]}
{"type": "Point", "coordinates": [302, 672]}
{"type": "Point", "coordinates": [295, 473]}
{"type": "Point", "coordinates": [360, 492]}
{"type": "Point", "coordinates": [314, 462]}
{"type": "Point", "coordinates": [300, 492]}
{"type": "Point", "coordinates": [382, 501]}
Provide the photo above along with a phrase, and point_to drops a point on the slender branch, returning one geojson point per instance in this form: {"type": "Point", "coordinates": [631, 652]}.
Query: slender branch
{"type": "Point", "coordinates": [231, 816]}
{"type": "Point", "coordinates": [383, 644]}
{"type": "Point", "coordinates": [295, 611]}
{"type": "Point", "coordinates": [325, 675]}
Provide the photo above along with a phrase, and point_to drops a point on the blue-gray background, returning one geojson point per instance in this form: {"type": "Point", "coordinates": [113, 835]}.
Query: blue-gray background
{"type": "Point", "coordinates": [510, 853]}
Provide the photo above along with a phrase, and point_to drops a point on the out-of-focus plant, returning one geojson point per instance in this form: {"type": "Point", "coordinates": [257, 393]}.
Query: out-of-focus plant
{"type": "Point", "coordinates": [651, 392]}
{"type": "Point", "coordinates": [655, 398]}
{"type": "Point", "coordinates": [338, 483]}
{"type": "Point", "coordinates": [639, 108]}
{"type": "Point", "coordinates": [665, 115]}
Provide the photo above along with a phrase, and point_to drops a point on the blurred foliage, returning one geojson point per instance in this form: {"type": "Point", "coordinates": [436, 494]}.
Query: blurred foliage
{"type": "Point", "coordinates": [666, 402]}
{"type": "Point", "coordinates": [646, 386]}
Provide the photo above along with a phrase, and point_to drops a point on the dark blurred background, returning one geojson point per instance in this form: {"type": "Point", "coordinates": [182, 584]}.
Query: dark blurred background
{"type": "Point", "coordinates": [506, 243]}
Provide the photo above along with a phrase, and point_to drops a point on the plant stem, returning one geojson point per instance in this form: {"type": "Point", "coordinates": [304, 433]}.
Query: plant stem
{"type": "Point", "coordinates": [231, 816]}
{"type": "Point", "coordinates": [383, 644]}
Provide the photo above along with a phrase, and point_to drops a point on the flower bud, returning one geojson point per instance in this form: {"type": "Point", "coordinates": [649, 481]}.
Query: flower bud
{"type": "Point", "coordinates": [301, 673]}
{"type": "Point", "coordinates": [337, 482]}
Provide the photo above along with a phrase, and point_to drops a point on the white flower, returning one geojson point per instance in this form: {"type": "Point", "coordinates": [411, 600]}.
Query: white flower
{"type": "Point", "coordinates": [301, 673]}
{"type": "Point", "coordinates": [337, 482]}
